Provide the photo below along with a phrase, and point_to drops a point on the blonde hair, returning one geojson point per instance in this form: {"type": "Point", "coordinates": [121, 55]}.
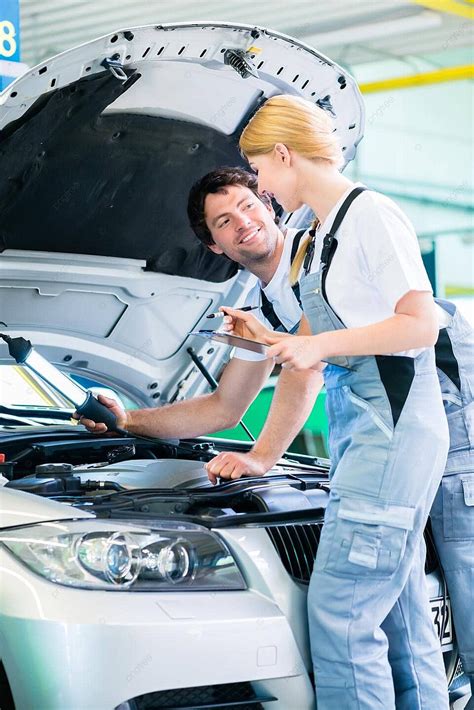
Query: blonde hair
{"type": "Point", "coordinates": [297, 262]}
{"type": "Point", "coordinates": [299, 124]}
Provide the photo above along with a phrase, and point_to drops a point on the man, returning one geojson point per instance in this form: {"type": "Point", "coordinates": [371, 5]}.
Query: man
{"type": "Point", "coordinates": [230, 218]}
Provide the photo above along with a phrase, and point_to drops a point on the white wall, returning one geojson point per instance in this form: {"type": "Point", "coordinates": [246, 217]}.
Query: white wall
{"type": "Point", "coordinates": [418, 147]}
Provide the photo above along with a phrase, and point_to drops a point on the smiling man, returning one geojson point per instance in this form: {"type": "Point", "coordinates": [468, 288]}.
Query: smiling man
{"type": "Point", "coordinates": [229, 216]}
{"type": "Point", "coordinates": [232, 219]}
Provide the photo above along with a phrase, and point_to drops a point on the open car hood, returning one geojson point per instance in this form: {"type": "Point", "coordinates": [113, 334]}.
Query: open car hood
{"type": "Point", "coordinates": [99, 147]}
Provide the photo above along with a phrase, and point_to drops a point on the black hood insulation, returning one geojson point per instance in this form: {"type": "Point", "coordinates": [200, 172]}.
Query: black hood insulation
{"type": "Point", "coordinates": [76, 181]}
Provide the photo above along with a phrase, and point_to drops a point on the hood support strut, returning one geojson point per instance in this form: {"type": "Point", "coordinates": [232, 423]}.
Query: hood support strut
{"type": "Point", "coordinates": [213, 383]}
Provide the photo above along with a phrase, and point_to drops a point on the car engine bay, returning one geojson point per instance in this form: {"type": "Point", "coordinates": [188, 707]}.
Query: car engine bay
{"type": "Point", "coordinates": [134, 478]}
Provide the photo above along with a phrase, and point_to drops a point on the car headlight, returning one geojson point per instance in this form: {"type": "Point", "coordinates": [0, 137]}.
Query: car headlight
{"type": "Point", "coordinates": [122, 556]}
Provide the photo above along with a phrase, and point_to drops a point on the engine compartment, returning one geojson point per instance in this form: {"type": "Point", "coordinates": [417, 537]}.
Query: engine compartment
{"type": "Point", "coordinates": [145, 480]}
{"type": "Point", "coordinates": [130, 477]}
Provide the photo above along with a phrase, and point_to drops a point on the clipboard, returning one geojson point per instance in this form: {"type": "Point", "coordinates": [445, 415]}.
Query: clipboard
{"type": "Point", "coordinates": [234, 341]}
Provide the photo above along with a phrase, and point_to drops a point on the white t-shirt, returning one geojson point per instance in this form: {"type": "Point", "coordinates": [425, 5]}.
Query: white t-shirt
{"type": "Point", "coordinates": [376, 263]}
{"type": "Point", "coordinates": [279, 293]}
{"type": "Point", "coordinates": [365, 286]}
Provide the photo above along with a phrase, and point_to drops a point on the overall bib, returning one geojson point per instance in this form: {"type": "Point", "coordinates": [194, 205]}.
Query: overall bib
{"type": "Point", "coordinates": [388, 441]}
{"type": "Point", "coordinates": [452, 514]}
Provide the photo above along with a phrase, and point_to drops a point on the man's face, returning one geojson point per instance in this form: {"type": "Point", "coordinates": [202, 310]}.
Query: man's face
{"type": "Point", "coordinates": [241, 225]}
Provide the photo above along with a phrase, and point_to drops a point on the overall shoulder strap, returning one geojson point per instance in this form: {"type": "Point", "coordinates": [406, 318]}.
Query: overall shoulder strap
{"type": "Point", "coordinates": [294, 250]}
{"type": "Point", "coordinates": [296, 244]}
{"type": "Point", "coordinates": [329, 242]}
{"type": "Point", "coordinates": [269, 312]}
{"type": "Point", "coordinates": [267, 307]}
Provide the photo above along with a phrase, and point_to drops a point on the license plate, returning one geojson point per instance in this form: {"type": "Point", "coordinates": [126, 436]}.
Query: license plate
{"type": "Point", "coordinates": [441, 611]}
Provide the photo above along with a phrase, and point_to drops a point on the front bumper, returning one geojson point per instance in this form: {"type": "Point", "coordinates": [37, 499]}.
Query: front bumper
{"type": "Point", "coordinates": [68, 648]}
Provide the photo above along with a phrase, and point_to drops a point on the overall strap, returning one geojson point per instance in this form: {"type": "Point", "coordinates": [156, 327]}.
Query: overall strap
{"type": "Point", "coordinates": [295, 245]}
{"type": "Point", "coordinates": [330, 241]}
{"type": "Point", "coordinates": [328, 249]}
{"type": "Point", "coordinates": [267, 307]}
{"type": "Point", "coordinates": [269, 312]}
{"type": "Point", "coordinates": [294, 250]}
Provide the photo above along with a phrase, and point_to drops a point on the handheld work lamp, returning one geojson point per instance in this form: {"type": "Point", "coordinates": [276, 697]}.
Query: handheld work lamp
{"type": "Point", "coordinates": [84, 401]}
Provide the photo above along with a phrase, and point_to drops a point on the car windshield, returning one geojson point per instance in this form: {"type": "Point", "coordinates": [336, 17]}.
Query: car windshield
{"type": "Point", "coordinates": [25, 398]}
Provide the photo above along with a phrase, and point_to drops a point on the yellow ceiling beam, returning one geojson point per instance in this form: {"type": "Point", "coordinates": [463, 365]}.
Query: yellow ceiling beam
{"type": "Point", "coordinates": [431, 77]}
{"type": "Point", "coordinates": [453, 7]}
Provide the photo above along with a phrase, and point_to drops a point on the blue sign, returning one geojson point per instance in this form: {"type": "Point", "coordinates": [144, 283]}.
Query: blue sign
{"type": "Point", "coordinates": [10, 66]}
{"type": "Point", "coordinates": [10, 30]}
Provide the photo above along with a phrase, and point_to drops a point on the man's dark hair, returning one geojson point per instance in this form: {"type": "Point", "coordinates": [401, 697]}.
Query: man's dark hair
{"type": "Point", "coordinates": [213, 182]}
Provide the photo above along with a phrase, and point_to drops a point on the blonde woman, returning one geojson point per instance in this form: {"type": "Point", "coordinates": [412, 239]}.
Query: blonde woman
{"type": "Point", "coordinates": [369, 313]}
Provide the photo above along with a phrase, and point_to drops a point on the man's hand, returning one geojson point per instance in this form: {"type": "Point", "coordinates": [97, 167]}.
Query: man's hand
{"type": "Point", "coordinates": [230, 465]}
{"type": "Point", "coordinates": [99, 428]}
{"type": "Point", "coordinates": [245, 325]}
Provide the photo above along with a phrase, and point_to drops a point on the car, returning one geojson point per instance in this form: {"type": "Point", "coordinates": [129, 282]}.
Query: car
{"type": "Point", "coordinates": [128, 582]}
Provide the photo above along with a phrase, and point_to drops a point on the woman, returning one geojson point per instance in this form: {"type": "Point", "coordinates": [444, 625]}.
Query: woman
{"type": "Point", "coordinates": [369, 313]}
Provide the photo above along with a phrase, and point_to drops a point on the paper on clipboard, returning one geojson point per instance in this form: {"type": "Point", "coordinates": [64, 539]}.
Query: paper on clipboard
{"type": "Point", "coordinates": [234, 341]}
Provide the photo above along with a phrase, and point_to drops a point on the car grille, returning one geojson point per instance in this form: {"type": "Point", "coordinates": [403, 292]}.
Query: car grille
{"type": "Point", "coordinates": [240, 696]}
{"type": "Point", "coordinates": [296, 546]}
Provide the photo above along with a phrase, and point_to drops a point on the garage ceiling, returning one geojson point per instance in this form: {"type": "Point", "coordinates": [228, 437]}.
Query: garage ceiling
{"type": "Point", "coordinates": [350, 32]}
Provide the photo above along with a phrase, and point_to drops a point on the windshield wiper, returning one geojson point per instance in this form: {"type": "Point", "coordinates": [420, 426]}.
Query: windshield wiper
{"type": "Point", "coordinates": [31, 412]}
{"type": "Point", "coordinates": [11, 419]}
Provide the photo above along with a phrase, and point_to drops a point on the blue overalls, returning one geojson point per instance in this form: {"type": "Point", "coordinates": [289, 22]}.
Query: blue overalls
{"type": "Point", "coordinates": [452, 514]}
{"type": "Point", "coordinates": [388, 442]}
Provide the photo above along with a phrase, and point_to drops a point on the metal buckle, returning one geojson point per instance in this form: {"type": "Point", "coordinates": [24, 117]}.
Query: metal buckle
{"type": "Point", "coordinates": [308, 259]}
{"type": "Point", "coordinates": [326, 250]}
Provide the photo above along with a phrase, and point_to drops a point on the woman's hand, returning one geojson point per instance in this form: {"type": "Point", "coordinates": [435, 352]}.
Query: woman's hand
{"type": "Point", "coordinates": [299, 352]}
{"type": "Point", "coordinates": [245, 325]}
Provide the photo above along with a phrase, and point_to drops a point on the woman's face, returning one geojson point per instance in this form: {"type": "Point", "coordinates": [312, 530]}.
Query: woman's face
{"type": "Point", "coordinates": [277, 177]}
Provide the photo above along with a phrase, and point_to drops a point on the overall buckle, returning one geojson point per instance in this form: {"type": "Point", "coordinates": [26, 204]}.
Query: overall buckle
{"type": "Point", "coordinates": [327, 246]}
{"type": "Point", "coordinates": [308, 259]}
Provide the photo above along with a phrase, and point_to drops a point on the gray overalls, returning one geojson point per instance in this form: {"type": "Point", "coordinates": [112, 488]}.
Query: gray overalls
{"type": "Point", "coordinates": [452, 514]}
{"type": "Point", "coordinates": [388, 442]}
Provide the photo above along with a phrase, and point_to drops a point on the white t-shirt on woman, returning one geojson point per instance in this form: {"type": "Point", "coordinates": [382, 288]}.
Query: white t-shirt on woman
{"type": "Point", "coordinates": [376, 263]}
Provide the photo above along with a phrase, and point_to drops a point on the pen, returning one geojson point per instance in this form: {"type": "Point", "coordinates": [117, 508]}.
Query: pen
{"type": "Point", "coordinates": [220, 314]}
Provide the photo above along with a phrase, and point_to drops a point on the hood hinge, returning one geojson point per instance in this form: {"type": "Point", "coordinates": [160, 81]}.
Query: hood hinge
{"type": "Point", "coordinates": [115, 67]}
